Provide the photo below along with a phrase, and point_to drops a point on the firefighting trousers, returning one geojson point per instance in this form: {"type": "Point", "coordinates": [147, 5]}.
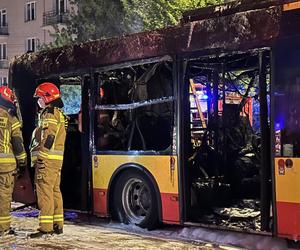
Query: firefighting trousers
{"type": "Point", "coordinates": [6, 190]}
{"type": "Point", "coordinates": [50, 203]}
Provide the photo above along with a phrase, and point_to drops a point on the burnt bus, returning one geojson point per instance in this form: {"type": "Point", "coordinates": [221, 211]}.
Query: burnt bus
{"type": "Point", "coordinates": [195, 124]}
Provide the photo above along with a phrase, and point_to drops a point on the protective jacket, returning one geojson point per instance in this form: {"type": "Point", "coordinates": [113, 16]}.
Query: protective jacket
{"type": "Point", "coordinates": [48, 140]}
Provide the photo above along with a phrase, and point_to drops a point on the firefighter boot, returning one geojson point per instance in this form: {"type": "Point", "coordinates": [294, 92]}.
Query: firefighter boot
{"type": "Point", "coordinates": [57, 229]}
{"type": "Point", "coordinates": [40, 234]}
{"type": "Point", "coordinates": [7, 232]}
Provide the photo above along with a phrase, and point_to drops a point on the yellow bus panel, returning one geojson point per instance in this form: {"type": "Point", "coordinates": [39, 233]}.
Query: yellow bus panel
{"type": "Point", "coordinates": [287, 179]}
{"type": "Point", "coordinates": [159, 166]}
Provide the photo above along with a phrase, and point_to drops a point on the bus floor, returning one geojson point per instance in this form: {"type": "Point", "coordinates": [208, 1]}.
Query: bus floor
{"type": "Point", "coordinates": [238, 215]}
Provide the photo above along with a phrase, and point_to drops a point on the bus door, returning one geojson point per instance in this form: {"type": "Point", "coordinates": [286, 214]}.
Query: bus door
{"type": "Point", "coordinates": [73, 171]}
{"type": "Point", "coordinates": [286, 138]}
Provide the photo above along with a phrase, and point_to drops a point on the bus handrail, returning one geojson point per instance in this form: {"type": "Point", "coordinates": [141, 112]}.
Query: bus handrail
{"type": "Point", "coordinates": [134, 105]}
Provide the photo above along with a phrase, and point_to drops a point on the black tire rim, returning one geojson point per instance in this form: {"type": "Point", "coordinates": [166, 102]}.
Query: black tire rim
{"type": "Point", "coordinates": [136, 200]}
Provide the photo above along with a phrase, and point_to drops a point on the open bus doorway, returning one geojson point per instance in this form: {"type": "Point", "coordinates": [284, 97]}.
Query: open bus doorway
{"type": "Point", "coordinates": [74, 171]}
{"type": "Point", "coordinates": [228, 186]}
{"type": "Point", "coordinates": [71, 181]}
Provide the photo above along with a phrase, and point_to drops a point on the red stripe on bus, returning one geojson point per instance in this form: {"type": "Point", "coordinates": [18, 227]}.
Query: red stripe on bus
{"type": "Point", "coordinates": [170, 208]}
{"type": "Point", "coordinates": [288, 220]}
{"type": "Point", "coordinates": [170, 205]}
{"type": "Point", "coordinates": [100, 201]}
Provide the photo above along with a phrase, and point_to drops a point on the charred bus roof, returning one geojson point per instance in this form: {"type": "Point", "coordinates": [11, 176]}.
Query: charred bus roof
{"type": "Point", "coordinates": [234, 7]}
{"type": "Point", "coordinates": [236, 26]}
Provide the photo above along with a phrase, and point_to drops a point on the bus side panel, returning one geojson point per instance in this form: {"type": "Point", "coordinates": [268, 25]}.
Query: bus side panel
{"type": "Point", "coordinates": [287, 174]}
{"type": "Point", "coordinates": [160, 167]}
{"type": "Point", "coordinates": [100, 202]}
{"type": "Point", "coordinates": [170, 208]}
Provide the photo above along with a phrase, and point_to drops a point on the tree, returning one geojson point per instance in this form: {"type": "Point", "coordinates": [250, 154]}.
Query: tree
{"type": "Point", "coordinates": [161, 13]}
{"type": "Point", "coordinates": [92, 20]}
{"type": "Point", "coordinates": [102, 19]}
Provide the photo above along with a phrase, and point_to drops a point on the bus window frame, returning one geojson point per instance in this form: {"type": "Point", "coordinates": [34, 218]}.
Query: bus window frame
{"type": "Point", "coordinates": [272, 134]}
{"type": "Point", "coordinates": [165, 58]}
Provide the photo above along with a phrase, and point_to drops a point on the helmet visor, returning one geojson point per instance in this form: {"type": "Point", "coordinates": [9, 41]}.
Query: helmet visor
{"type": "Point", "coordinates": [41, 103]}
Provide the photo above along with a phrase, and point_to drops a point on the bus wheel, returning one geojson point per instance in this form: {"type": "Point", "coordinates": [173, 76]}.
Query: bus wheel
{"type": "Point", "coordinates": [135, 200]}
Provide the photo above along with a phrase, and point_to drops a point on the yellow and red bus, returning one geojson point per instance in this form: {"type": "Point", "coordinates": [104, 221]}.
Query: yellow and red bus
{"type": "Point", "coordinates": [133, 157]}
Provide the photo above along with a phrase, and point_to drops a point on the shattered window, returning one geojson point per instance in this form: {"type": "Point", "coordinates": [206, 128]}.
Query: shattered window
{"type": "Point", "coordinates": [135, 109]}
{"type": "Point", "coordinates": [71, 96]}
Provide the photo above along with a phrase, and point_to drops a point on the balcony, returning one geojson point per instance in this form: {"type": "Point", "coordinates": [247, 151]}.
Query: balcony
{"type": "Point", "coordinates": [52, 18]}
{"type": "Point", "coordinates": [4, 64]}
{"type": "Point", "coordinates": [4, 30]}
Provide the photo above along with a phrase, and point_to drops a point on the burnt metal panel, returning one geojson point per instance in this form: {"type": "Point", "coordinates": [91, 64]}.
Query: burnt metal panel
{"type": "Point", "coordinates": [230, 8]}
{"type": "Point", "coordinates": [243, 30]}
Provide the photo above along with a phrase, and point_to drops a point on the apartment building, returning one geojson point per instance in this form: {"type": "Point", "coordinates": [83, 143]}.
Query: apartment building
{"type": "Point", "coordinates": [25, 25]}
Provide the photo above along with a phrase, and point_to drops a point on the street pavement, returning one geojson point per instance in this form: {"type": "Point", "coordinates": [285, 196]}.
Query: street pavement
{"type": "Point", "coordinates": [86, 236]}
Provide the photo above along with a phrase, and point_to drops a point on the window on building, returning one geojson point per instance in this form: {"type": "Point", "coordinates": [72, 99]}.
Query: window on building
{"type": "Point", "coordinates": [32, 44]}
{"type": "Point", "coordinates": [30, 11]}
{"type": "Point", "coordinates": [3, 80]}
{"type": "Point", "coordinates": [3, 21]}
{"type": "Point", "coordinates": [3, 51]}
{"type": "Point", "coordinates": [61, 6]}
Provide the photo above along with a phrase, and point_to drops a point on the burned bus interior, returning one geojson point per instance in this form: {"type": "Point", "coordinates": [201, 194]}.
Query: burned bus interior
{"type": "Point", "coordinates": [134, 109]}
{"type": "Point", "coordinates": [223, 107]}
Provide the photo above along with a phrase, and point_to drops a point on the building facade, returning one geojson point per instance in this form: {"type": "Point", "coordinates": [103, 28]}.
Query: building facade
{"type": "Point", "coordinates": [25, 25]}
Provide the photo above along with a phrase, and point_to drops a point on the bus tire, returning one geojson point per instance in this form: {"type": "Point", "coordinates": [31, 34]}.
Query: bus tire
{"type": "Point", "coordinates": [135, 200]}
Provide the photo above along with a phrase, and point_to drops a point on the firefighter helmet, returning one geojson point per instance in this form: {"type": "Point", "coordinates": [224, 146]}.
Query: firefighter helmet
{"type": "Point", "coordinates": [47, 91]}
{"type": "Point", "coordinates": [7, 94]}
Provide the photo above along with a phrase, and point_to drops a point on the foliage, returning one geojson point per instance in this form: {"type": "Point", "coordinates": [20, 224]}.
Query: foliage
{"type": "Point", "coordinates": [92, 20]}
{"type": "Point", "coordinates": [102, 19]}
{"type": "Point", "coordinates": [161, 13]}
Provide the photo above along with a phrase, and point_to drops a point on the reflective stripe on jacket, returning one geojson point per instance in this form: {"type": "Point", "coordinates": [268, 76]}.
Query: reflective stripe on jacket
{"type": "Point", "coordinates": [10, 128]}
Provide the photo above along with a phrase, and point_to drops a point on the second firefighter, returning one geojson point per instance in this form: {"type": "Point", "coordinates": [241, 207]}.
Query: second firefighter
{"type": "Point", "coordinates": [47, 150]}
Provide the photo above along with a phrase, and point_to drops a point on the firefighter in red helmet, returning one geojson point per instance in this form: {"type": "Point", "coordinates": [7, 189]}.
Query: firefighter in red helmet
{"type": "Point", "coordinates": [12, 155]}
{"type": "Point", "coordinates": [47, 150]}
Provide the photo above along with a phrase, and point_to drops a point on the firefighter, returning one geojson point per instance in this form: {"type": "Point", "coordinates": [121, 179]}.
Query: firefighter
{"type": "Point", "coordinates": [12, 155]}
{"type": "Point", "coordinates": [47, 150]}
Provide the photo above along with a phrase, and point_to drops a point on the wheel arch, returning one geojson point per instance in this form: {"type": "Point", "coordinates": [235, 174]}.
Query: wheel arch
{"type": "Point", "coordinates": [129, 166]}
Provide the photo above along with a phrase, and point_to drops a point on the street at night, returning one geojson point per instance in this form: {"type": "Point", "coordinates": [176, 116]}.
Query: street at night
{"type": "Point", "coordinates": [149, 124]}
{"type": "Point", "coordinates": [82, 231]}
{"type": "Point", "coordinates": [84, 236]}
